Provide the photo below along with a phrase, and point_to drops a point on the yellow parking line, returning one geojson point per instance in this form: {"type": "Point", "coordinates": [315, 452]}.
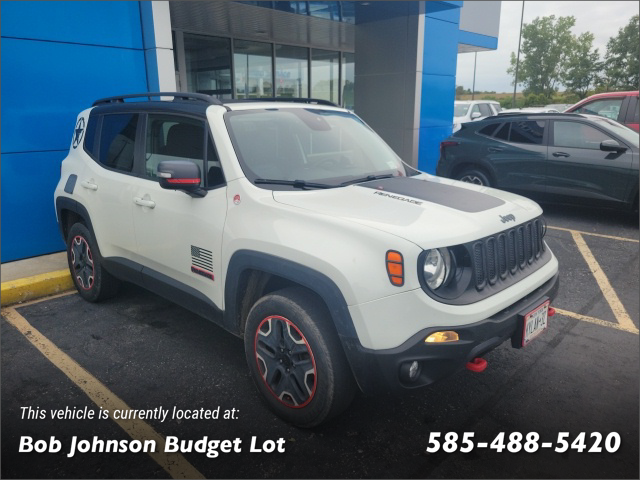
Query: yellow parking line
{"type": "Point", "coordinates": [608, 292]}
{"type": "Point", "coordinates": [174, 463]}
{"type": "Point", "coordinates": [594, 234]}
{"type": "Point", "coordinates": [597, 321]}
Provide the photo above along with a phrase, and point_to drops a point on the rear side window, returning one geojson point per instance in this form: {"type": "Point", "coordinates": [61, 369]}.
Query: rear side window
{"type": "Point", "coordinates": [503, 132]}
{"type": "Point", "coordinates": [489, 129]}
{"type": "Point", "coordinates": [117, 141]}
{"type": "Point", "coordinates": [527, 131]}
{"type": "Point", "coordinates": [485, 110]}
{"type": "Point", "coordinates": [90, 144]}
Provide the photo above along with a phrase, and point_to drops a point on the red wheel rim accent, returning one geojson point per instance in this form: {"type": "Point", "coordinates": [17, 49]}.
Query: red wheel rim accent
{"type": "Point", "coordinates": [286, 398]}
{"type": "Point", "coordinates": [82, 262]}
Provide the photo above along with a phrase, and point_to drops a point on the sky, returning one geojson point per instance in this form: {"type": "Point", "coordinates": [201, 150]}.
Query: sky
{"type": "Point", "coordinates": [602, 18]}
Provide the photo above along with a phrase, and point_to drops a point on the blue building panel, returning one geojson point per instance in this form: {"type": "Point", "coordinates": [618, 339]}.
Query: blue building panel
{"type": "Point", "coordinates": [114, 24]}
{"type": "Point", "coordinates": [440, 47]}
{"type": "Point", "coordinates": [55, 82]}
{"type": "Point", "coordinates": [429, 149]}
{"type": "Point", "coordinates": [28, 219]}
{"type": "Point", "coordinates": [447, 11]}
{"type": "Point", "coordinates": [57, 58]}
{"type": "Point", "coordinates": [477, 40]}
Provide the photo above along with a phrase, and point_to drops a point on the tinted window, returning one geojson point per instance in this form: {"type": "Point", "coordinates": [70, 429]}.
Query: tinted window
{"type": "Point", "coordinates": [577, 135]}
{"type": "Point", "coordinates": [489, 129]}
{"type": "Point", "coordinates": [503, 132]}
{"type": "Point", "coordinates": [527, 132]}
{"type": "Point", "coordinates": [117, 141]}
{"type": "Point", "coordinates": [90, 136]}
{"type": "Point", "coordinates": [485, 110]}
{"type": "Point", "coordinates": [172, 137]}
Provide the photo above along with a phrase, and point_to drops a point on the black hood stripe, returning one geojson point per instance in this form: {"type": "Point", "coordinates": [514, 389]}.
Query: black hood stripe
{"type": "Point", "coordinates": [433, 192]}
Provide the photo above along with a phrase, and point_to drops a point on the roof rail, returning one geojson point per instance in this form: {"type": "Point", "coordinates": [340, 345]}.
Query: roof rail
{"type": "Point", "coordinates": [312, 101]}
{"type": "Point", "coordinates": [179, 96]}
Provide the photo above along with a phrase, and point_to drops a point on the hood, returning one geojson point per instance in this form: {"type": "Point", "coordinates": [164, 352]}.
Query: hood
{"type": "Point", "coordinates": [428, 211]}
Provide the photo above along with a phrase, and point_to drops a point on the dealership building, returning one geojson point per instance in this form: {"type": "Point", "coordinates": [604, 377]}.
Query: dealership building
{"type": "Point", "coordinates": [393, 63]}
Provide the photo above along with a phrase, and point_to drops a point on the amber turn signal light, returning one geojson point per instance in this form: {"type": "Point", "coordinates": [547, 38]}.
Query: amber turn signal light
{"type": "Point", "coordinates": [395, 268]}
{"type": "Point", "coordinates": [442, 337]}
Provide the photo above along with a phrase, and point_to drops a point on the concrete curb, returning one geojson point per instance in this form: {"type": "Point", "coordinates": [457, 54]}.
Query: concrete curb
{"type": "Point", "coordinates": [30, 288]}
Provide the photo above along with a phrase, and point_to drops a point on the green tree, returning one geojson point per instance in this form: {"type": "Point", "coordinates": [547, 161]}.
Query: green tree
{"type": "Point", "coordinates": [621, 63]}
{"type": "Point", "coordinates": [583, 65]}
{"type": "Point", "coordinates": [543, 54]}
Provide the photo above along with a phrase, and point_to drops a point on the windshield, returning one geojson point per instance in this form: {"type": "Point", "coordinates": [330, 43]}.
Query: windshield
{"type": "Point", "coordinates": [460, 110]}
{"type": "Point", "coordinates": [298, 145]}
{"type": "Point", "coordinates": [628, 135]}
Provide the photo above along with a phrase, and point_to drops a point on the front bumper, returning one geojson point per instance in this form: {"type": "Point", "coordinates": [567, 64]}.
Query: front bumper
{"type": "Point", "coordinates": [377, 370]}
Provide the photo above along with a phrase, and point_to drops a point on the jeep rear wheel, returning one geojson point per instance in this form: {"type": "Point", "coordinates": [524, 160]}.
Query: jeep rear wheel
{"type": "Point", "coordinates": [296, 359]}
{"type": "Point", "coordinates": [475, 176]}
{"type": "Point", "coordinates": [90, 278]}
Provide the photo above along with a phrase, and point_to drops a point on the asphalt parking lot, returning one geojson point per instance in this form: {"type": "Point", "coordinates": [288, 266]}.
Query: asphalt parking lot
{"type": "Point", "coordinates": [142, 352]}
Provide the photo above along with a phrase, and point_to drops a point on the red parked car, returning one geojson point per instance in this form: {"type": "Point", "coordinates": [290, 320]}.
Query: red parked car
{"type": "Point", "coordinates": [619, 106]}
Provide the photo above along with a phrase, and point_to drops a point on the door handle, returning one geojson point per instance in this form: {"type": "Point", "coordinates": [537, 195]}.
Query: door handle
{"type": "Point", "coordinates": [89, 185]}
{"type": "Point", "coordinates": [560, 154]}
{"type": "Point", "coordinates": [144, 202]}
{"type": "Point", "coordinates": [495, 149]}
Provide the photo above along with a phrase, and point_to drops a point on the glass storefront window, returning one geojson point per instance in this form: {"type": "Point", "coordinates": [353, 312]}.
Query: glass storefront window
{"type": "Point", "coordinates": [253, 70]}
{"type": "Point", "coordinates": [348, 80]}
{"type": "Point", "coordinates": [292, 71]}
{"type": "Point", "coordinates": [328, 10]}
{"type": "Point", "coordinates": [325, 75]}
{"type": "Point", "coordinates": [208, 62]}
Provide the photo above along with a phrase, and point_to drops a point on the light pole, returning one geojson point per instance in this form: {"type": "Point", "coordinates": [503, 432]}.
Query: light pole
{"type": "Point", "coordinates": [515, 81]}
{"type": "Point", "coordinates": [473, 89]}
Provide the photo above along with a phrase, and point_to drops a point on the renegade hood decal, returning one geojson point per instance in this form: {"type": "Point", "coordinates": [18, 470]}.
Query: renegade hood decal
{"type": "Point", "coordinates": [440, 193]}
{"type": "Point", "coordinates": [426, 210]}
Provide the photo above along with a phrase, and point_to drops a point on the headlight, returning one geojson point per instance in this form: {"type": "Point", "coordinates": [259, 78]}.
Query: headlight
{"type": "Point", "coordinates": [437, 267]}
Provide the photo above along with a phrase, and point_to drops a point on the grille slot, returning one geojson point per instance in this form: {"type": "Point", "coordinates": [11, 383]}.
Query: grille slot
{"type": "Point", "coordinates": [508, 253]}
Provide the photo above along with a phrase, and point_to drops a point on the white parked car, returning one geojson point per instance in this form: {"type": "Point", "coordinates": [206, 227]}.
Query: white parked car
{"type": "Point", "coordinates": [292, 225]}
{"type": "Point", "coordinates": [471, 110]}
{"type": "Point", "coordinates": [530, 110]}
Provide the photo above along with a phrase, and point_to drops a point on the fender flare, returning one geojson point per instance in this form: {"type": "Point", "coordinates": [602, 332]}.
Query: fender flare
{"type": "Point", "coordinates": [316, 282]}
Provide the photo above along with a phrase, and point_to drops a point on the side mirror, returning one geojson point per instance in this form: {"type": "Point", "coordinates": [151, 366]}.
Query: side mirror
{"type": "Point", "coordinates": [611, 146]}
{"type": "Point", "coordinates": [475, 115]}
{"type": "Point", "coordinates": [181, 175]}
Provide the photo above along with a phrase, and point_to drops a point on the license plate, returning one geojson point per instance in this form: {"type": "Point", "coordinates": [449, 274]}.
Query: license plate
{"type": "Point", "coordinates": [535, 322]}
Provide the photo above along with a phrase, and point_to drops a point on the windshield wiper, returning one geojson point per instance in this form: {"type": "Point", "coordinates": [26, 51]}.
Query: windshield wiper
{"type": "Point", "coordinates": [368, 178]}
{"type": "Point", "coordinates": [294, 183]}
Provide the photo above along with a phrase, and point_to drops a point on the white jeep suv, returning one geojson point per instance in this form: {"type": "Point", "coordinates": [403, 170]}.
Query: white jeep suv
{"type": "Point", "coordinates": [293, 225]}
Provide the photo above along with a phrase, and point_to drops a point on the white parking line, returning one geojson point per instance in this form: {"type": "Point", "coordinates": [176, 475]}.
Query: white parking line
{"type": "Point", "coordinates": [608, 292]}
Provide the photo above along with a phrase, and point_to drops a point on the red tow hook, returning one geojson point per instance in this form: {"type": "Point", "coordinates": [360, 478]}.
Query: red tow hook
{"type": "Point", "coordinates": [551, 312]}
{"type": "Point", "coordinates": [477, 365]}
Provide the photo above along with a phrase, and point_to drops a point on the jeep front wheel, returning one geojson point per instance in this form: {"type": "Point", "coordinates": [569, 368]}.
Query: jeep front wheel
{"type": "Point", "coordinates": [296, 359]}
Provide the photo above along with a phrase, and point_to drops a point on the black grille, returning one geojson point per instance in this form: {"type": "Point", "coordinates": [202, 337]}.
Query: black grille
{"type": "Point", "coordinates": [507, 253]}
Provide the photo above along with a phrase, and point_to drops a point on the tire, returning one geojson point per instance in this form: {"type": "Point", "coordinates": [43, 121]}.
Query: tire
{"type": "Point", "coordinates": [475, 176]}
{"type": "Point", "coordinates": [289, 333]}
{"type": "Point", "coordinates": [90, 278]}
